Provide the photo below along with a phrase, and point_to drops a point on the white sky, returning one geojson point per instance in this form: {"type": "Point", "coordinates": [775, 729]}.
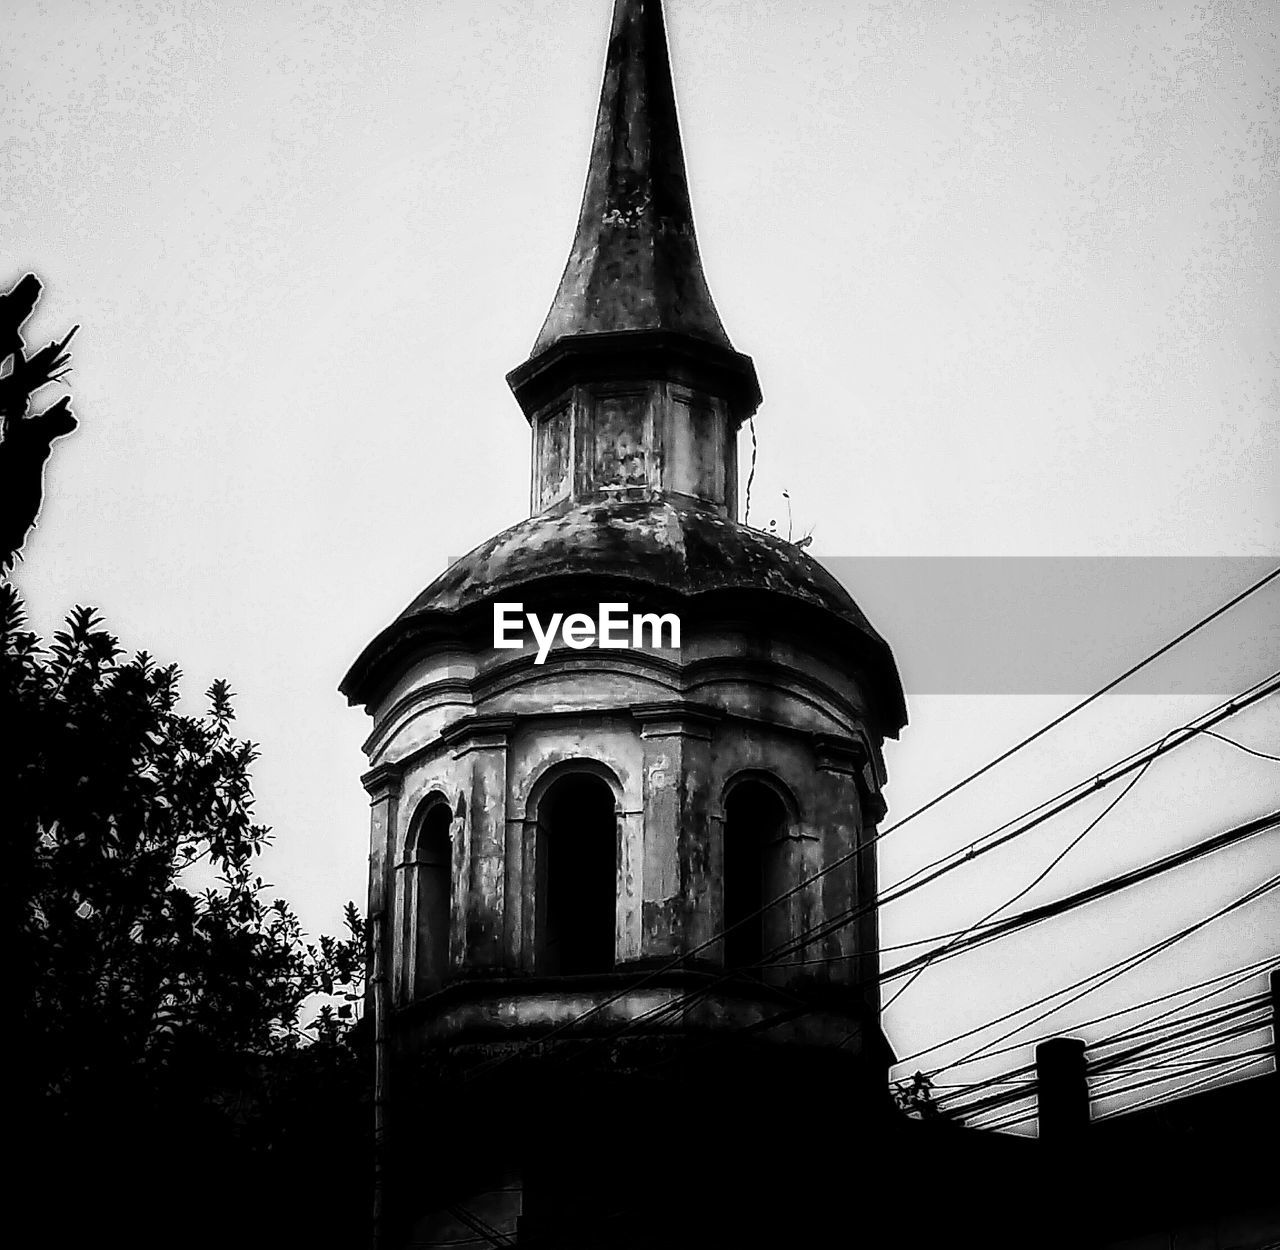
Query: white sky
{"type": "Point", "coordinates": [1008, 272]}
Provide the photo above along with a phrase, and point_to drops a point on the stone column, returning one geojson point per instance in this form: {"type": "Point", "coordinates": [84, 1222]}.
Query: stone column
{"type": "Point", "coordinates": [676, 877]}
{"type": "Point", "coordinates": [517, 935]}
{"type": "Point", "coordinates": [491, 940]}
{"type": "Point", "coordinates": [526, 832]}
{"type": "Point", "coordinates": [631, 875]}
{"type": "Point", "coordinates": [871, 811]}
{"type": "Point", "coordinates": [383, 787]}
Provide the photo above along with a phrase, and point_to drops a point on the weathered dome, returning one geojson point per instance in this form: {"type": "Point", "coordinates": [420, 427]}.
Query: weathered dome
{"type": "Point", "coordinates": [678, 552]}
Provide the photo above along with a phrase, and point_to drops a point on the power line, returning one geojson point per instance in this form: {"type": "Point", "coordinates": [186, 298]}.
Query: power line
{"type": "Point", "coordinates": [1115, 970]}
{"type": "Point", "coordinates": [480, 1226]}
{"type": "Point", "coordinates": [933, 938]}
{"type": "Point", "coordinates": [1057, 860]}
{"type": "Point", "coordinates": [1166, 1077]}
{"type": "Point", "coordinates": [1183, 1067]}
{"type": "Point", "coordinates": [1071, 846]}
{"type": "Point", "coordinates": [1138, 760]}
{"type": "Point", "coordinates": [1111, 1083]}
{"type": "Point", "coordinates": [1236, 977]}
{"type": "Point", "coordinates": [1020, 1091]}
{"type": "Point", "coordinates": [1110, 973]}
{"type": "Point", "coordinates": [1186, 1026]}
{"type": "Point", "coordinates": [1189, 1044]}
{"type": "Point", "coordinates": [1170, 1095]}
{"type": "Point", "coordinates": [679, 960]}
{"type": "Point", "coordinates": [1237, 1063]}
{"type": "Point", "coordinates": [1091, 894]}
{"type": "Point", "coordinates": [1232, 980]}
{"type": "Point", "coordinates": [1097, 694]}
{"type": "Point", "coordinates": [1240, 746]}
{"type": "Point", "coordinates": [1036, 816]}
{"type": "Point", "coordinates": [1035, 915]}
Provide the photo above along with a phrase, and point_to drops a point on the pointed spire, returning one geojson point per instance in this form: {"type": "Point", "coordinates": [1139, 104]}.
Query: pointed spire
{"type": "Point", "coordinates": [635, 263]}
{"type": "Point", "coordinates": [633, 388]}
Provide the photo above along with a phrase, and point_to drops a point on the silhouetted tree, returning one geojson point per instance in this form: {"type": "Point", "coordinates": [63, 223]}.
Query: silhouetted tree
{"type": "Point", "coordinates": [187, 1068]}
{"type": "Point", "coordinates": [25, 441]}
{"type": "Point", "coordinates": [160, 1022]}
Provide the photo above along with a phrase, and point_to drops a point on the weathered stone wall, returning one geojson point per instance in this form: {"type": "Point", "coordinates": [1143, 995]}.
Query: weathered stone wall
{"type": "Point", "coordinates": [632, 439]}
{"type": "Point", "coordinates": [486, 732]}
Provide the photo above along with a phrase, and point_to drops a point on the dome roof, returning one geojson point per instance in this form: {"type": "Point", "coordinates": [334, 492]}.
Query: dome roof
{"type": "Point", "coordinates": [676, 549]}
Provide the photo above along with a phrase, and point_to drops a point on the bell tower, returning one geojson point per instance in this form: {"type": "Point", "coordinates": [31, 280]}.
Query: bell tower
{"type": "Point", "coordinates": [622, 896]}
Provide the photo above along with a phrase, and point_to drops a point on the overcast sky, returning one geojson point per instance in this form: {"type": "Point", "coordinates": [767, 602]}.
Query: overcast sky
{"type": "Point", "coordinates": [1007, 270]}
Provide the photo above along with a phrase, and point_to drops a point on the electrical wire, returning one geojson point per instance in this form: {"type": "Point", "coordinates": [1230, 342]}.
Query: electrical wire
{"type": "Point", "coordinates": [1071, 846]}
{"type": "Point", "coordinates": [479, 1225]}
{"type": "Point", "coordinates": [1182, 1091]}
{"type": "Point", "coordinates": [1199, 1020]}
{"type": "Point", "coordinates": [999, 929]}
{"type": "Point", "coordinates": [860, 849]}
{"type": "Point", "coordinates": [1166, 1077]}
{"type": "Point", "coordinates": [1023, 1073]}
{"type": "Point", "coordinates": [1240, 746]}
{"type": "Point", "coordinates": [1110, 973]}
{"type": "Point", "coordinates": [1236, 1062]}
{"type": "Point", "coordinates": [1182, 1066]}
{"type": "Point", "coordinates": [993, 931]}
{"type": "Point", "coordinates": [1020, 1075]}
{"type": "Point", "coordinates": [1107, 1071]}
{"type": "Point", "coordinates": [1190, 1044]}
{"type": "Point", "coordinates": [1191, 1065]}
{"type": "Point", "coordinates": [1233, 978]}
{"type": "Point", "coordinates": [1036, 816]}
{"type": "Point", "coordinates": [1018, 1091]}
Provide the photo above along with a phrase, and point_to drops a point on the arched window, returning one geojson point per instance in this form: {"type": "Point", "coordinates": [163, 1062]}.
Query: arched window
{"type": "Point", "coordinates": [577, 870]}
{"type": "Point", "coordinates": [432, 896]}
{"type": "Point", "coordinates": [755, 846]}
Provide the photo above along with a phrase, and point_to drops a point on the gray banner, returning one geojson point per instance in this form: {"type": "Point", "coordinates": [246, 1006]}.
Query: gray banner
{"type": "Point", "coordinates": [1068, 624]}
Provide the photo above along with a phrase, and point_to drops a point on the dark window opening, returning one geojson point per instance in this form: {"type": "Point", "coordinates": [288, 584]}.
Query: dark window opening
{"type": "Point", "coordinates": [755, 831]}
{"type": "Point", "coordinates": [433, 873]}
{"type": "Point", "coordinates": [577, 875]}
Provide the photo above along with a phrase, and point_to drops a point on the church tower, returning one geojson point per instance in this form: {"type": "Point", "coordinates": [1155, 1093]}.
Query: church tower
{"type": "Point", "coordinates": [621, 885]}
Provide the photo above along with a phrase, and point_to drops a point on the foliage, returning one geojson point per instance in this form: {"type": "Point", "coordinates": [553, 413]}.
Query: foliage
{"type": "Point", "coordinates": [154, 1015]}
{"type": "Point", "coordinates": [26, 440]}
{"type": "Point", "coordinates": [915, 1097]}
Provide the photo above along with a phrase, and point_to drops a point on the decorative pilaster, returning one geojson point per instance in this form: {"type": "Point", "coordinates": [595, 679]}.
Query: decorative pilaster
{"type": "Point", "coordinates": [677, 866]}
{"type": "Point", "coordinates": [838, 761]}
{"type": "Point", "coordinates": [491, 934]}
{"type": "Point", "coordinates": [383, 787]}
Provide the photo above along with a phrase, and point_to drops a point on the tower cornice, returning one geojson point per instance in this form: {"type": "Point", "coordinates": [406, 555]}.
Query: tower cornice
{"type": "Point", "coordinates": [636, 355]}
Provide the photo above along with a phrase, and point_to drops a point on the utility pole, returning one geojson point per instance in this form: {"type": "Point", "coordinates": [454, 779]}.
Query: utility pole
{"type": "Point", "coordinates": [1275, 1021]}
{"type": "Point", "coordinates": [1062, 1090]}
